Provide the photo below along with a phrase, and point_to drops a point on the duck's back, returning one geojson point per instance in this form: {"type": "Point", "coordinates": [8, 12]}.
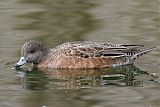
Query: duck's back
{"type": "Point", "coordinates": [89, 54]}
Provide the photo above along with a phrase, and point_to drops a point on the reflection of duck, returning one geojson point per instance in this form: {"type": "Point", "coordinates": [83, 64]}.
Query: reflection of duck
{"type": "Point", "coordinates": [78, 78]}
{"type": "Point", "coordinates": [84, 54]}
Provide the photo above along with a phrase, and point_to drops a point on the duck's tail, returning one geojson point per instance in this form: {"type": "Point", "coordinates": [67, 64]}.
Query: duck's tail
{"type": "Point", "coordinates": [141, 52]}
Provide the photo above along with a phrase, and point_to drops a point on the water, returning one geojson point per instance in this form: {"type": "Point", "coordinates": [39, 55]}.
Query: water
{"type": "Point", "coordinates": [58, 21]}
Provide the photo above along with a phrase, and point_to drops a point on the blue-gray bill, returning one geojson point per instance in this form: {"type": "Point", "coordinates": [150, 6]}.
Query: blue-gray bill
{"type": "Point", "coordinates": [21, 62]}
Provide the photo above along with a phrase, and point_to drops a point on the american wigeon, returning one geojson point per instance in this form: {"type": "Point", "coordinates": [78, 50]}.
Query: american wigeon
{"type": "Point", "coordinates": [81, 54]}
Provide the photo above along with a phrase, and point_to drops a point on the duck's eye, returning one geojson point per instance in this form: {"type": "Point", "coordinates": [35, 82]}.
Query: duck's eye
{"type": "Point", "coordinates": [32, 51]}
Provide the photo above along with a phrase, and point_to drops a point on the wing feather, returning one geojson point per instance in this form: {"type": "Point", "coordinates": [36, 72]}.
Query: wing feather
{"type": "Point", "coordinates": [86, 49]}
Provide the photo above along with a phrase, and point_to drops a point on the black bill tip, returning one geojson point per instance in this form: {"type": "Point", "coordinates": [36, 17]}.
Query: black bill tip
{"type": "Point", "coordinates": [16, 65]}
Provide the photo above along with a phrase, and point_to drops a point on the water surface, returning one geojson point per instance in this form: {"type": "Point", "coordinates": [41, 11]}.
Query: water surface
{"type": "Point", "coordinates": [58, 21]}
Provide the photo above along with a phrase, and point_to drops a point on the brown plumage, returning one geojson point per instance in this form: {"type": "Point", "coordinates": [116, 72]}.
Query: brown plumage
{"type": "Point", "coordinates": [81, 54]}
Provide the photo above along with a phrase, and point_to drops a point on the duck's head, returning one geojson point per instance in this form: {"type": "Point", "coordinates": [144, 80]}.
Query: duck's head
{"type": "Point", "coordinates": [32, 52]}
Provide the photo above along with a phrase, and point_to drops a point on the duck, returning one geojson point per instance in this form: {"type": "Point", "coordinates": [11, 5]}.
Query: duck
{"type": "Point", "coordinates": [80, 54]}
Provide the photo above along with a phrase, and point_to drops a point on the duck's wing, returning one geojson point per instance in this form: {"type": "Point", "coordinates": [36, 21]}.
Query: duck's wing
{"type": "Point", "coordinates": [96, 49]}
{"type": "Point", "coordinates": [132, 53]}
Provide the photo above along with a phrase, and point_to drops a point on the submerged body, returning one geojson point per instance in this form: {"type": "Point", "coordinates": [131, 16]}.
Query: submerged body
{"type": "Point", "coordinates": [82, 54]}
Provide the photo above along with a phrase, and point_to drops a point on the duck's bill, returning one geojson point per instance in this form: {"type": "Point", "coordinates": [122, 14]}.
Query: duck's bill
{"type": "Point", "coordinates": [21, 62]}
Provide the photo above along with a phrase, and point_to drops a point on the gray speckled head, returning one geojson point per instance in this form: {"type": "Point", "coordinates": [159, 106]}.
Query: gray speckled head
{"type": "Point", "coordinates": [32, 52]}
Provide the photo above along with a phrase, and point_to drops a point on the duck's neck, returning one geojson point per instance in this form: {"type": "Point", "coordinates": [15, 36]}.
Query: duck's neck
{"type": "Point", "coordinates": [43, 63]}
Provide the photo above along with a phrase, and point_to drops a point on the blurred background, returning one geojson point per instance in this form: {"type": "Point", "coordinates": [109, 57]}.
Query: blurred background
{"type": "Point", "coordinates": [57, 21]}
